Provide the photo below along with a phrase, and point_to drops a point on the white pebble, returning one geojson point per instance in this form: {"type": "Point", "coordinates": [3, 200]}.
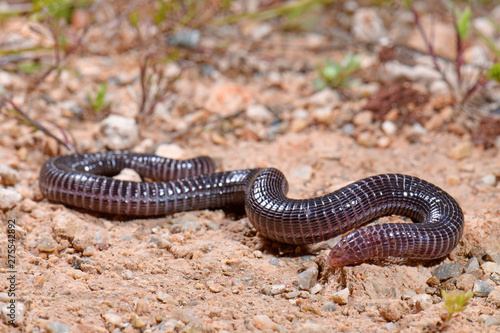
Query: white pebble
{"type": "Point", "coordinates": [9, 198]}
{"type": "Point", "coordinates": [341, 297]}
{"type": "Point", "coordinates": [259, 113]}
{"type": "Point", "coordinates": [389, 127]}
{"type": "Point", "coordinates": [119, 132]}
{"type": "Point", "coordinates": [489, 179]}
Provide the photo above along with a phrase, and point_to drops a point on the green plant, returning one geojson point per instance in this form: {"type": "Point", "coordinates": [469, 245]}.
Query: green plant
{"type": "Point", "coordinates": [455, 301]}
{"type": "Point", "coordinates": [337, 74]}
{"type": "Point", "coordinates": [462, 23]}
{"type": "Point", "coordinates": [56, 15]}
{"type": "Point", "coordinates": [97, 101]}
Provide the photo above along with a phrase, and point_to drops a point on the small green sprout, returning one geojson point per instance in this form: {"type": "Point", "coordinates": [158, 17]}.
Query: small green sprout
{"type": "Point", "coordinates": [494, 72]}
{"type": "Point", "coordinates": [455, 301]}
{"type": "Point", "coordinates": [463, 19]}
{"type": "Point", "coordinates": [97, 102]}
{"type": "Point", "coordinates": [337, 74]}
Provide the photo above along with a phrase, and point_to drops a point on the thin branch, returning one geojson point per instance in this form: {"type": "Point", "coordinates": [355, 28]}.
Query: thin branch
{"type": "Point", "coordinates": [35, 123]}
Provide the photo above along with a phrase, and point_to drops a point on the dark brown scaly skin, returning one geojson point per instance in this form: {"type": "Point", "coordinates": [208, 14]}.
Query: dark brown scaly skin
{"type": "Point", "coordinates": [83, 181]}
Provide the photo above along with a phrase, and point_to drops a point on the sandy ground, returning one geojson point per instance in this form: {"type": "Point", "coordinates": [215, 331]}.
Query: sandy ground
{"type": "Point", "coordinates": [209, 271]}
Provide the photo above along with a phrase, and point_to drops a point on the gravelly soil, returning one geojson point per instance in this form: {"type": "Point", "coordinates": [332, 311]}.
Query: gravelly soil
{"type": "Point", "coordinates": [210, 270]}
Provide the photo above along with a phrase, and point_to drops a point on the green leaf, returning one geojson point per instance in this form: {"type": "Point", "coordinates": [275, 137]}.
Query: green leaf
{"type": "Point", "coordinates": [134, 18]}
{"type": "Point", "coordinates": [494, 72]}
{"type": "Point", "coordinates": [456, 301]}
{"type": "Point", "coordinates": [463, 22]}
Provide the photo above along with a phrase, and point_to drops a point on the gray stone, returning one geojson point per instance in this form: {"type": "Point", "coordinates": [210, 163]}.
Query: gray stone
{"type": "Point", "coordinates": [274, 261]}
{"type": "Point", "coordinates": [188, 38]}
{"type": "Point", "coordinates": [446, 271]}
{"type": "Point", "coordinates": [472, 265]}
{"type": "Point", "coordinates": [482, 288]}
{"type": "Point", "coordinates": [57, 327]}
{"type": "Point", "coordinates": [308, 278]}
{"type": "Point", "coordinates": [329, 306]}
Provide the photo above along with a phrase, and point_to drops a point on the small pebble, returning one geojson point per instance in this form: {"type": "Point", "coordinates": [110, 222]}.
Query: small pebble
{"type": "Point", "coordinates": [274, 261]}
{"type": "Point", "coordinates": [348, 129]}
{"type": "Point", "coordinates": [6, 313]}
{"type": "Point", "coordinates": [274, 289]}
{"type": "Point", "coordinates": [166, 298]}
{"type": "Point", "coordinates": [389, 127]}
{"type": "Point", "coordinates": [137, 322]}
{"type": "Point", "coordinates": [4, 297]}
{"type": "Point", "coordinates": [392, 309]}
{"type": "Point", "coordinates": [472, 265]}
{"type": "Point", "coordinates": [466, 281]}
{"type": "Point", "coordinates": [325, 97]}
{"type": "Point", "coordinates": [292, 294]}
{"type": "Point", "coordinates": [309, 328]}
{"type": "Point", "coordinates": [490, 267]}
{"type": "Point", "coordinates": [341, 297]}
{"type": "Point", "coordinates": [188, 38]}
{"type": "Point", "coordinates": [46, 243]}
{"type": "Point", "coordinates": [494, 297]}
{"type": "Point", "coordinates": [142, 307]}
{"type": "Point", "coordinates": [8, 176]}
{"type": "Point", "coordinates": [366, 139]}
{"type": "Point", "coordinates": [363, 118]}
{"type": "Point", "coordinates": [482, 288]}
{"type": "Point", "coordinates": [308, 278]}
{"type": "Point", "coordinates": [421, 302]}
{"type": "Point", "coordinates": [120, 132]}
{"type": "Point", "coordinates": [9, 198]}
{"type": "Point", "coordinates": [112, 321]}
{"type": "Point", "coordinates": [490, 180]}
{"type": "Point", "coordinates": [453, 180]}
{"type": "Point", "coordinates": [57, 327]}
{"type": "Point", "coordinates": [214, 287]}
{"type": "Point", "coordinates": [493, 256]}
{"type": "Point", "coordinates": [127, 274]}
{"type": "Point", "coordinates": [323, 115]}
{"type": "Point", "coordinates": [460, 151]}
{"type": "Point", "coordinates": [446, 271]}
{"type": "Point", "coordinates": [264, 323]}
{"type": "Point", "coordinates": [259, 113]}
{"type": "Point", "coordinates": [316, 289]}
{"type": "Point", "coordinates": [329, 306]}
{"type": "Point", "coordinates": [492, 321]}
